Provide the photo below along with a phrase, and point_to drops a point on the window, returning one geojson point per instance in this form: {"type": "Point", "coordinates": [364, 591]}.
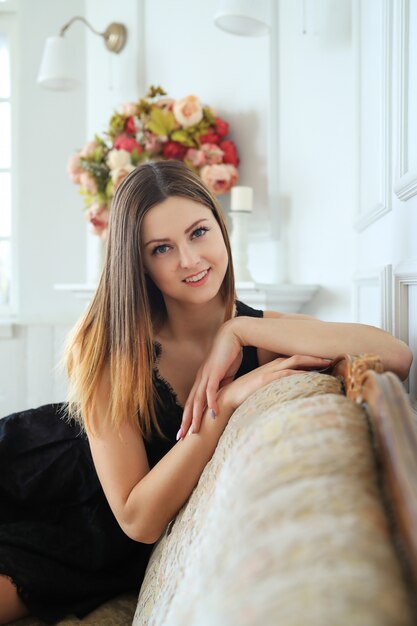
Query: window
{"type": "Point", "coordinates": [6, 167]}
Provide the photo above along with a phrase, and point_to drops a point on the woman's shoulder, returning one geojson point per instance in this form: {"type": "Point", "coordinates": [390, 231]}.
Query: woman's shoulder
{"type": "Point", "coordinates": [245, 309]}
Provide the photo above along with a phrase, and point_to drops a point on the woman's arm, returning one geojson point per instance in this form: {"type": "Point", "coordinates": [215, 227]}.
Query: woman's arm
{"type": "Point", "coordinates": [285, 335]}
{"type": "Point", "coordinates": [276, 334]}
{"type": "Point", "coordinates": [144, 501]}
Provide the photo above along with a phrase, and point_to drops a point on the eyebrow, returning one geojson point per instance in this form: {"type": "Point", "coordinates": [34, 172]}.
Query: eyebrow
{"type": "Point", "coordinates": [186, 231]}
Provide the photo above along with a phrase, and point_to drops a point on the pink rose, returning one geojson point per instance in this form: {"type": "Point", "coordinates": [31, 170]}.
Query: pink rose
{"type": "Point", "coordinates": [212, 153]}
{"type": "Point", "coordinates": [127, 109]}
{"type": "Point", "coordinates": [88, 182]}
{"type": "Point", "coordinates": [89, 149]}
{"type": "Point", "coordinates": [153, 143]}
{"type": "Point", "coordinates": [188, 111]}
{"type": "Point", "coordinates": [219, 178]}
{"type": "Point", "coordinates": [124, 142]}
{"type": "Point", "coordinates": [166, 104]}
{"type": "Point", "coordinates": [120, 174]}
{"type": "Point", "coordinates": [118, 158]}
{"type": "Point", "coordinates": [98, 216]}
{"type": "Point", "coordinates": [73, 168]}
{"type": "Point", "coordinates": [197, 158]}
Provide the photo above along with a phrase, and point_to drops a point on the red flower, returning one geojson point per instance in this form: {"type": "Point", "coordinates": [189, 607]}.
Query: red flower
{"type": "Point", "coordinates": [130, 125]}
{"type": "Point", "coordinates": [174, 150]}
{"type": "Point", "coordinates": [210, 137]}
{"type": "Point", "coordinates": [124, 142]}
{"type": "Point", "coordinates": [222, 127]}
{"type": "Point", "coordinates": [230, 153]}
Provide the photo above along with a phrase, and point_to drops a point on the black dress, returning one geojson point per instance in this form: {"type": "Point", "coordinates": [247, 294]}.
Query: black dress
{"type": "Point", "coordinates": [59, 541]}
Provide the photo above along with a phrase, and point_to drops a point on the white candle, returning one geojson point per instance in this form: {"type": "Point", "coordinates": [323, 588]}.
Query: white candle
{"type": "Point", "coordinates": [242, 198]}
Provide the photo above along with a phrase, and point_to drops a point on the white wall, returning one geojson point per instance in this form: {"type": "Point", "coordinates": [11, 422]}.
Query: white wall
{"type": "Point", "coordinates": [317, 142]}
{"type": "Point", "coordinates": [50, 127]}
{"type": "Point", "coordinates": [50, 230]}
{"type": "Point", "coordinates": [187, 54]}
{"type": "Point", "coordinates": [386, 192]}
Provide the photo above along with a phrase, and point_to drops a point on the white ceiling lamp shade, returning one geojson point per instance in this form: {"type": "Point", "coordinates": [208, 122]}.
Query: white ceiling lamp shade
{"type": "Point", "coordinates": [57, 71]}
{"type": "Point", "coordinates": [247, 18]}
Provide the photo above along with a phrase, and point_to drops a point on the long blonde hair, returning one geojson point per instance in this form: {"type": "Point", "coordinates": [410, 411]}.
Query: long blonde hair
{"type": "Point", "coordinates": [117, 329]}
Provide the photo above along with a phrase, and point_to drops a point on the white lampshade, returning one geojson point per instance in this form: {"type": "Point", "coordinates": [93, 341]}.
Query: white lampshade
{"type": "Point", "coordinates": [243, 17]}
{"type": "Point", "coordinates": [56, 67]}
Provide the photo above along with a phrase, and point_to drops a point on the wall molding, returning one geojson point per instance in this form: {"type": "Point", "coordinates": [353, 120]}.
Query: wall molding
{"type": "Point", "coordinates": [370, 214]}
{"type": "Point", "coordinates": [387, 294]}
{"type": "Point", "coordinates": [382, 279]}
{"type": "Point", "coordinates": [405, 185]}
{"type": "Point", "coordinates": [370, 278]}
{"type": "Point", "coordinates": [405, 277]}
{"type": "Point", "coordinates": [29, 357]}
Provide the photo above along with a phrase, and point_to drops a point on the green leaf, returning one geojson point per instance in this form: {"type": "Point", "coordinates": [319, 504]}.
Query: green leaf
{"type": "Point", "coordinates": [99, 153]}
{"type": "Point", "coordinates": [88, 198]}
{"type": "Point", "coordinates": [209, 115]}
{"type": "Point", "coordinates": [99, 171]}
{"type": "Point", "coordinates": [101, 198]}
{"type": "Point", "coordinates": [99, 140]}
{"type": "Point", "coordinates": [109, 189]}
{"type": "Point", "coordinates": [153, 92]}
{"type": "Point", "coordinates": [135, 157]}
{"type": "Point", "coordinates": [161, 122]}
{"type": "Point", "coordinates": [182, 137]}
{"type": "Point", "coordinates": [117, 124]}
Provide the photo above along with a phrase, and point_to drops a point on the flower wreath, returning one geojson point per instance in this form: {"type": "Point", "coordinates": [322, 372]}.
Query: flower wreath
{"type": "Point", "coordinates": [154, 128]}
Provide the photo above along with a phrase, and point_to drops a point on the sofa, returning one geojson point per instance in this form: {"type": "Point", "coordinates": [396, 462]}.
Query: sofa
{"type": "Point", "coordinates": [306, 514]}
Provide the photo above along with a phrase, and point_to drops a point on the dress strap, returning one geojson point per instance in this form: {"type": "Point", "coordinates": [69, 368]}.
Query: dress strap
{"type": "Point", "coordinates": [250, 353]}
{"type": "Point", "coordinates": [245, 309]}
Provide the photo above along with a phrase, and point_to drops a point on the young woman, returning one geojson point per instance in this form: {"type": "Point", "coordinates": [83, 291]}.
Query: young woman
{"type": "Point", "coordinates": [157, 365]}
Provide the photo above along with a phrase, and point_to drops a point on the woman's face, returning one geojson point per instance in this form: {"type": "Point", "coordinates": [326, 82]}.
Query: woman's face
{"type": "Point", "coordinates": [183, 250]}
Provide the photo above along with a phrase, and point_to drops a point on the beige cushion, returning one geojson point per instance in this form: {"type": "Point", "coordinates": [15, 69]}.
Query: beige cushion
{"type": "Point", "coordinates": [285, 525]}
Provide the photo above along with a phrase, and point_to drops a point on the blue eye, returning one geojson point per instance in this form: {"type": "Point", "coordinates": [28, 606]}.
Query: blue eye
{"type": "Point", "coordinates": [199, 232]}
{"type": "Point", "coordinates": [160, 249]}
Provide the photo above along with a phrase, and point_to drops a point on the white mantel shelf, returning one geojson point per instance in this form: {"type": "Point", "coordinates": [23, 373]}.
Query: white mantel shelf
{"type": "Point", "coordinates": [286, 298]}
{"type": "Point", "coordinates": [82, 291]}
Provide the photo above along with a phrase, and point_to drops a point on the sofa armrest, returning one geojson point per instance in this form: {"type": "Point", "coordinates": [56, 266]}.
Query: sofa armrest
{"type": "Point", "coordinates": [393, 428]}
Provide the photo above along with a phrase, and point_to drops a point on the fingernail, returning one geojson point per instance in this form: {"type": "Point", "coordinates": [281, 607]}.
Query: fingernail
{"type": "Point", "coordinates": [212, 414]}
{"type": "Point", "coordinates": [190, 432]}
{"type": "Point", "coordinates": [179, 434]}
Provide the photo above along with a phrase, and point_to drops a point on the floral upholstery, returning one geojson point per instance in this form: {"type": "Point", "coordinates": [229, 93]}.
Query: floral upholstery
{"type": "Point", "coordinates": [286, 524]}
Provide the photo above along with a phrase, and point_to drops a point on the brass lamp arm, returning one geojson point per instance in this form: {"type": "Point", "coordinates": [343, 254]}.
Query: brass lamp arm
{"type": "Point", "coordinates": [114, 36]}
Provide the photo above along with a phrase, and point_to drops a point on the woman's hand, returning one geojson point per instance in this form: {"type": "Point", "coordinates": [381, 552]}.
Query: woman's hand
{"type": "Point", "coordinates": [236, 392]}
{"type": "Point", "coordinates": [218, 369]}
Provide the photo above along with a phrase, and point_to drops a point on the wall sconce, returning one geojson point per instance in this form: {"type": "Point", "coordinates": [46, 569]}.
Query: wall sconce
{"type": "Point", "coordinates": [248, 18]}
{"type": "Point", "coordinates": [55, 72]}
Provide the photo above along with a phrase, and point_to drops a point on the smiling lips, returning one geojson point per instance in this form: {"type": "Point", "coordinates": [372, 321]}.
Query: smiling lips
{"type": "Point", "coordinates": [197, 279]}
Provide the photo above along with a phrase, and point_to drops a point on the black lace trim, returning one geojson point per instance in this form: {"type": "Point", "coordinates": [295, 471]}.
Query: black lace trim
{"type": "Point", "coordinates": [161, 379]}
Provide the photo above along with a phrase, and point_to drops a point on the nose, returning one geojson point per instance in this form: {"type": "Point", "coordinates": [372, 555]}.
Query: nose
{"type": "Point", "coordinates": [188, 257]}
